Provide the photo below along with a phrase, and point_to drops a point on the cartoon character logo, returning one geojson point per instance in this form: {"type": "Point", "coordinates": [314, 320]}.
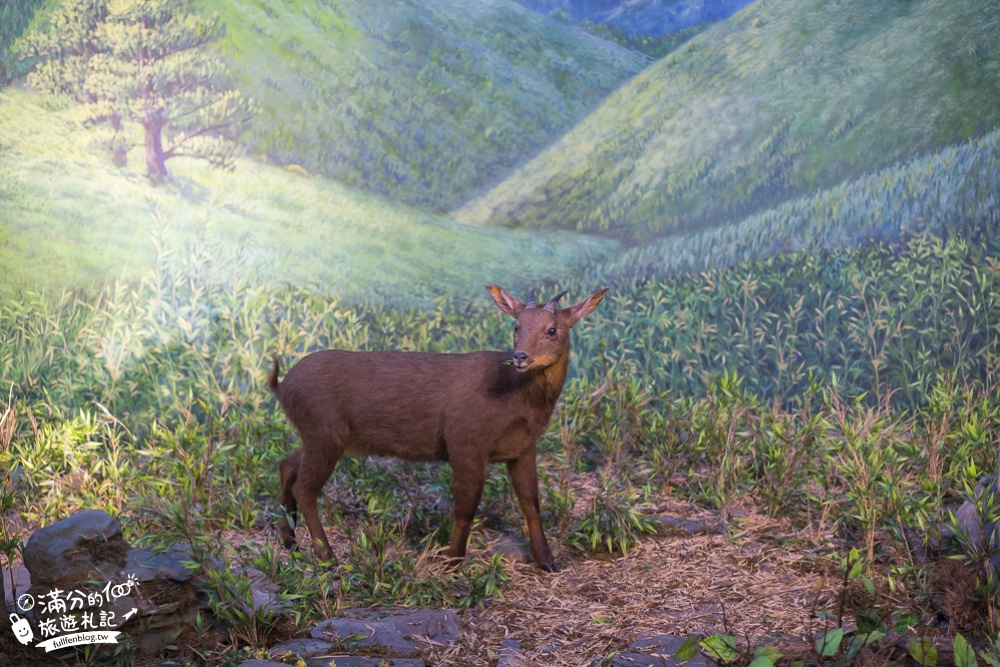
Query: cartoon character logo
{"type": "Point", "coordinates": [22, 629]}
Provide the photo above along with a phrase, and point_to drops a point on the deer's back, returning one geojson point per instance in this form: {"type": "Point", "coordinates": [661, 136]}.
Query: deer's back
{"type": "Point", "coordinates": [410, 405]}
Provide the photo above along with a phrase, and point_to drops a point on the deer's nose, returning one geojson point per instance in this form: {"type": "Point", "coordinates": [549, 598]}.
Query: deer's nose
{"type": "Point", "coordinates": [520, 356]}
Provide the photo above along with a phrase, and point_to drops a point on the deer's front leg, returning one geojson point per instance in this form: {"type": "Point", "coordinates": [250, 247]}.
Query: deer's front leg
{"type": "Point", "coordinates": [524, 478]}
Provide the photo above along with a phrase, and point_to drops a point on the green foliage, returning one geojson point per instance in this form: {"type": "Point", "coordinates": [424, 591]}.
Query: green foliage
{"type": "Point", "coordinates": [611, 523]}
{"type": "Point", "coordinates": [965, 656]}
{"type": "Point", "coordinates": [143, 62]}
{"type": "Point", "coordinates": [722, 128]}
{"type": "Point", "coordinates": [231, 599]}
{"type": "Point", "coordinates": [829, 644]}
{"type": "Point", "coordinates": [150, 400]}
{"type": "Point", "coordinates": [15, 16]}
{"type": "Point", "coordinates": [949, 192]}
{"type": "Point", "coordinates": [61, 229]}
{"type": "Point", "coordinates": [720, 647]}
{"type": "Point", "coordinates": [922, 650]}
{"type": "Point", "coordinates": [653, 46]}
{"type": "Point", "coordinates": [859, 320]}
{"type": "Point", "coordinates": [423, 103]}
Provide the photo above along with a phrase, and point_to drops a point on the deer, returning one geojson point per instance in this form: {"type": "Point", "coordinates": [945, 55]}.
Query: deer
{"type": "Point", "coordinates": [468, 409]}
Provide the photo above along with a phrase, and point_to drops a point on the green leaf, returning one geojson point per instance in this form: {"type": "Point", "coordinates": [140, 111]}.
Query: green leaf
{"type": "Point", "coordinates": [854, 562]}
{"type": "Point", "coordinates": [860, 641]}
{"type": "Point", "coordinates": [923, 651]}
{"type": "Point", "coordinates": [990, 660]}
{"type": "Point", "coordinates": [868, 621]}
{"type": "Point", "coordinates": [688, 649]}
{"type": "Point", "coordinates": [965, 656]}
{"type": "Point", "coordinates": [904, 622]}
{"type": "Point", "coordinates": [761, 661]}
{"type": "Point", "coordinates": [721, 647]}
{"type": "Point", "coordinates": [830, 642]}
{"type": "Point", "coordinates": [769, 652]}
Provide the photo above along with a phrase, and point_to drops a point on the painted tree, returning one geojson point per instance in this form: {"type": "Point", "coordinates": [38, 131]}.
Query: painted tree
{"type": "Point", "coordinates": [144, 62]}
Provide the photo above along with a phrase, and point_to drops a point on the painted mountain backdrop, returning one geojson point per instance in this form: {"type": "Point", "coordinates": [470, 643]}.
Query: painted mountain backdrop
{"type": "Point", "coordinates": [784, 98]}
{"type": "Point", "coordinates": [643, 17]}
{"type": "Point", "coordinates": [790, 125]}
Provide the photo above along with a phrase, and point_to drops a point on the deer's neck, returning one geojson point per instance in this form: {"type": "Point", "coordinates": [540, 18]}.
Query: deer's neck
{"type": "Point", "coordinates": [548, 383]}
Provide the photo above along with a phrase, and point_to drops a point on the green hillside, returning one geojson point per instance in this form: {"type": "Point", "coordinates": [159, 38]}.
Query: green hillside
{"type": "Point", "coordinates": [425, 102]}
{"type": "Point", "coordinates": [68, 218]}
{"type": "Point", "coordinates": [951, 193]}
{"type": "Point", "coordinates": [782, 99]}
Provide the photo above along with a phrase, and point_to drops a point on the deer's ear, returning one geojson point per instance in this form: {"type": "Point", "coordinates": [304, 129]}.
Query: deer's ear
{"type": "Point", "coordinates": [580, 310]}
{"type": "Point", "coordinates": [505, 301]}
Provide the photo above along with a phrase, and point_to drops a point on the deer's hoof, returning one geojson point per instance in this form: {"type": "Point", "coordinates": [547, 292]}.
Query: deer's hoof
{"type": "Point", "coordinates": [549, 567]}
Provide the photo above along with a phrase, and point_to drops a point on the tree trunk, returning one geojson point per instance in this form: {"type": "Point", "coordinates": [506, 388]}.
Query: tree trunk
{"type": "Point", "coordinates": [156, 167]}
{"type": "Point", "coordinates": [118, 154]}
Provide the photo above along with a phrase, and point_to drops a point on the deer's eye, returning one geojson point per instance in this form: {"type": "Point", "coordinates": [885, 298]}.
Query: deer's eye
{"type": "Point", "coordinates": [517, 327]}
{"type": "Point", "coordinates": [552, 331]}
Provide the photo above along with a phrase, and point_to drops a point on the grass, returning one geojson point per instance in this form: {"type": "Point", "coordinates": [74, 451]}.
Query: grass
{"type": "Point", "coordinates": [72, 220]}
{"type": "Point", "coordinates": [422, 102]}
{"type": "Point", "coordinates": [149, 401]}
{"type": "Point", "coordinates": [780, 100]}
{"type": "Point", "coordinates": [947, 192]}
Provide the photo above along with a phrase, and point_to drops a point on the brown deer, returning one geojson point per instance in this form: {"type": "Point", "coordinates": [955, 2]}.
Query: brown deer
{"type": "Point", "coordinates": [467, 409]}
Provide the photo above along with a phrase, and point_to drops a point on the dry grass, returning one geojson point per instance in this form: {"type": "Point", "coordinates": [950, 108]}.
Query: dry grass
{"type": "Point", "coordinates": [765, 580]}
{"type": "Point", "coordinates": [679, 585]}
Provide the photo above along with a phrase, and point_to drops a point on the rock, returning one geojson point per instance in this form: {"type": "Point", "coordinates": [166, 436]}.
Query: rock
{"type": "Point", "coordinates": [515, 548]}
{"type": "Point", "coordinates": [688, 526]}
{"type": "Point", "coordinates": [967, 517]}
{"type": "Point", "coordinates": [402, 630]}
{"type": "Point", "coordinates": [304, 648]}
{"type": "Point", "coordinates": [84, 546]}
{"type": "Point", "coordinates": [261, 582]}
{"type": "Point", "coordinates": [82, 568]}
{"type": "Point", "coordinates": [262, 663]}
{"type": "Point", "coordinates": [657, 651]}
{"type": "Point", "coordinates": [511, 655]}
{"type": "Point", "coordinates": [148, 565]}
{"type": "Point", "coordinates": [637, 660]}
{"type": "Point", "coordinates": [967, 523]}
{"type": "Point", "coordinates": [356, 661]}
{"type": "Point", "coordinates": [265, 592]}
{"type": "Point", "coordinates": [21, 578]}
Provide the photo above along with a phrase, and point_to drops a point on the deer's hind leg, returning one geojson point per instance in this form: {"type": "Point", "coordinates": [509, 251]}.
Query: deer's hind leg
{"type": "Point", "coordinates": [319, 456]}
{"type": "Point", "coordinates": [467, 480]}
{"type": "Point", "coordinates": [289, 471]}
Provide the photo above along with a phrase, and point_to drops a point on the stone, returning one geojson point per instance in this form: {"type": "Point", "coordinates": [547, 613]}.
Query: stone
{"type": "Point", "coordinates": [304, 648]}
{"type": "Point", "coordinates": [401, 630]}
{"type": "Point", "coordinates": [262, 663]}
{"type": "Point", "coordinates": [658, 651]}
{"type": "Point", "coordinates": [85, 559]}
{"type": "Point", "coordinates": [21, 578]}
{"type": "Point", "coordinates": [358, 661]}
{"type": "Point", "coordinates": [515, 548]}
{"type": "Point", "coordinates": [688, 526]}
{"type": "Point", "coordinates": [968, 523]}
{"type": "Point", "coordinates": [511, 655]}
{"type": "Point", "coordinates": [148, 565]}
{"type": "Point", "coordinates": [81, 547]}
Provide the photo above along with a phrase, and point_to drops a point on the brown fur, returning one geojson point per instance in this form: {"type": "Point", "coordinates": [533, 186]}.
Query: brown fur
{"type": "Point", "coordinates": [467, 409]}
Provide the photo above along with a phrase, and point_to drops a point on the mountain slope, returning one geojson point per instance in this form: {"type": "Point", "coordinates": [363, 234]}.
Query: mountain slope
{"type": "Point", "coordinates": [951, 193]}
{"type": "Point", "coordinates": [642, 17]}
{"type": "Point", "coordinates": [783, 98]}
{"type": "Point", "coordinates": [422, 101]}
{"type": "Point", "coordinates": [68, 218]}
